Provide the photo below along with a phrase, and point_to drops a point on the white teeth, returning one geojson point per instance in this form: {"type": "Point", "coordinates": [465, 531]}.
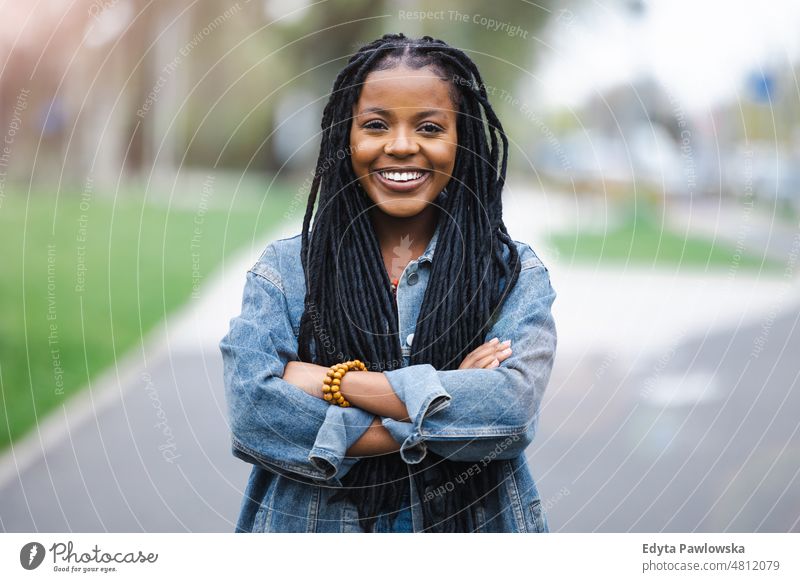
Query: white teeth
{"type": "Point", "coordinates": [401, 176]}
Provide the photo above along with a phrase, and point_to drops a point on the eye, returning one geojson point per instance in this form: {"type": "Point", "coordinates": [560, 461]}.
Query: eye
{"type": "Point", "coordinates": [372, 124]}
{"type": "Point", "coordinates": [432, 128]}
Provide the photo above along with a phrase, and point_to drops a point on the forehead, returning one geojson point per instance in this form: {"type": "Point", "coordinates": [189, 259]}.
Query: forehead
{"type": "Point", "coordinates": [405, 89]}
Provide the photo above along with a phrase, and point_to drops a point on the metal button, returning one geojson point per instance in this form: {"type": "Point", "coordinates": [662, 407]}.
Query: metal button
{"type": "Point", "coordinates": [412, 279]}
{"type": "Point", "coordinates": [410, 339]}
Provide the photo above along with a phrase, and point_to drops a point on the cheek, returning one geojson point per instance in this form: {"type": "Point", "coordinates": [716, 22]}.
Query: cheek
{"type": "Point", "coordinates": [363, 151]}
{"type": "Point", "coordinates": [356, 155]}
{"type": "Point", "coordinates": [353, 149]}
{"type": "Point", "coordinates": [445, 155]}
{"type": "Point", "coordinates": [360, 164]}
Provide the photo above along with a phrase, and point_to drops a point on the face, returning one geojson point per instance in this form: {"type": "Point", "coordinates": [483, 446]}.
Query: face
{"type": "Point", "coordinates": [403, 139]}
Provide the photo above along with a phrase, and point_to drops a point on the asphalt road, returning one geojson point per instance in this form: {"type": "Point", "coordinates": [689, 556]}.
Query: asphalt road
{"type": "Point", "coordinates": [156, 461]}
{"type": "Point", "coordinates": [703, 437]}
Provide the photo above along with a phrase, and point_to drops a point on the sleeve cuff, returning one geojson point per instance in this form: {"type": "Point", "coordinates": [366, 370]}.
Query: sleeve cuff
{"type": "Point", "coordinates": [412, 451]}
{"type": "Point", "coordinates": [341, 428]}
{"type": "Point", "coordinates": [421, 391]}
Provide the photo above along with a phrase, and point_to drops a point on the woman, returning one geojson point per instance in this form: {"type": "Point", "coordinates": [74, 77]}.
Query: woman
{"type": "Point", "coordinates": [406, 286]}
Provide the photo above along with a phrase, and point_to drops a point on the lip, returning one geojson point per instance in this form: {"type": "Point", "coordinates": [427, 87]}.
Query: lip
{"type": "Point", "coordinates": [402, 186]}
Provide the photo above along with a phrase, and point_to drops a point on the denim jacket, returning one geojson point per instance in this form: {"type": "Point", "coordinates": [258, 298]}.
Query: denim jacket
{"type": "Point", "coordinates": [297, 443]}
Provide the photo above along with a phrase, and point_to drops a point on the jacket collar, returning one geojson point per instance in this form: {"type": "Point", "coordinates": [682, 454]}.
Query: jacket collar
{"type": "Point", "coordinates": [428, 254]}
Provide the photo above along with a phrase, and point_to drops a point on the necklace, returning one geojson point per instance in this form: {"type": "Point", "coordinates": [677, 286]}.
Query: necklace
{"type": "Point", "coordinates": [394, 287]}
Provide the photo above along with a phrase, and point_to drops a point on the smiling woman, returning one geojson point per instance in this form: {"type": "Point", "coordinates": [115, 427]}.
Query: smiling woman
{"type": "Point", "coordinates": [394, 307]}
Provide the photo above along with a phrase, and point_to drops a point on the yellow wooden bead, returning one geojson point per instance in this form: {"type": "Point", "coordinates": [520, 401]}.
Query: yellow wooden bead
{"type": "Point", "coordinates": [335, 388]}
{"type": "Point", "coordinates": [326, 388]}
{"type": "Point", "coordinates": [337, 374]}
{"type": "Point", "coordinates": [327, 397]}
{"type": "Point", "coordinates": [326, 381]}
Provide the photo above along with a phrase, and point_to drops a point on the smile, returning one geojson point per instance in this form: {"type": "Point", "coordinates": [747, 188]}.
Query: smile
{"type": "Point", "coordinates": [402, 181]}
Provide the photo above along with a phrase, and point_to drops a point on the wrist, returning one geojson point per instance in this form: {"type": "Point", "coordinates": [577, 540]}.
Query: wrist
{"type": "Point", "coordinates": [331, 386]}
{"type": "Point", "coordinates": [353, 387]}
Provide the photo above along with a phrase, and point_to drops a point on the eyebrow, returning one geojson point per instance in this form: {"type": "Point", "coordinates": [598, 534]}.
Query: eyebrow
{"type": "Point", "coordinates": [389, 113]}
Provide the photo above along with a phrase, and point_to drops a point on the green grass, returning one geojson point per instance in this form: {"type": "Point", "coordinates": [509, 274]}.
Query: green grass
{"type": "Point", "coordinates": [642, 239]}
{"type": "Point", "coordinates": [140, 265]}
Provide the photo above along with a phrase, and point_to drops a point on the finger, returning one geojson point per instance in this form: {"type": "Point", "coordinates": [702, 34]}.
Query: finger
{"type": "Point", "coordinates": [485, 349]}
{"type": "Point", "coordinates": [486, 361]}
{"type": "Point", "coordinates": [499, 356]}
{"type": "Point", "coordinates": [468, 361]}
{"type": "Point", "coordinates": [480, 352]}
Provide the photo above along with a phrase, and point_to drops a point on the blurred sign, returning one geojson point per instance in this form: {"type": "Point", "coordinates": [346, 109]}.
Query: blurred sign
{"type": "Point", "coordinates": [761, 86]}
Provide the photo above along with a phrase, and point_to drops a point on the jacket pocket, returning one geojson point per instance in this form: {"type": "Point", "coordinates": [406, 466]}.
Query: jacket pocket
{"type": "Point", "coordinates": [538, 518]}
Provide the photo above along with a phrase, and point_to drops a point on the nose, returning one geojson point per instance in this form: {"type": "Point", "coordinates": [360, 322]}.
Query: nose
{"type": "Point", "coordinates": [402, 145]}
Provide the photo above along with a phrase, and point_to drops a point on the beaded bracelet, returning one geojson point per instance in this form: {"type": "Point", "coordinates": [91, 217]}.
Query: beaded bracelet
{"type": "Point", "coordinates": [331, 385]}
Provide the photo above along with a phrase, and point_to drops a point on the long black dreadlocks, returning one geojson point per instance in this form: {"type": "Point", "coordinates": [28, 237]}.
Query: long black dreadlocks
{"type": "Point", "coordinates": [350, 303]}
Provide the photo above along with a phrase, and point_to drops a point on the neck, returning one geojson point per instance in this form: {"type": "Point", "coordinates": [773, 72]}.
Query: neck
{"type": "Point", "coordinates": [412, 233]}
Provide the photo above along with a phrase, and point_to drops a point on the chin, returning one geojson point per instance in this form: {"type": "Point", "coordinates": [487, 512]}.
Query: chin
{"type": "Point", "coordinates": [402, 209]}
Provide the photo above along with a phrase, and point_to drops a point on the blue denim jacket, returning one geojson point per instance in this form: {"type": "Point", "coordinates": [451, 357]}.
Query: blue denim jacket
{"type": "Point", "coordinates": [297, 443]}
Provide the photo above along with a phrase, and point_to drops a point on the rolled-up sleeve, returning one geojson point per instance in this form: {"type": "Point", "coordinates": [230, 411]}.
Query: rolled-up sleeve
{"type": "Point", "coordinates": [484, 414]}
{"type": "Point", "coordinates": [273, 423]}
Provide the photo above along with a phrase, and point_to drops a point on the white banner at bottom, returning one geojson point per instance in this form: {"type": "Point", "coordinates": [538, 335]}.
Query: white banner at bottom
{"type": "Point", "coordinates": [388, 557]}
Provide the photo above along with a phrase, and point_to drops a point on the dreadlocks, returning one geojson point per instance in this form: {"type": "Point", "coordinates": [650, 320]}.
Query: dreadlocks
{"type": "Point", "coordinates": [352, 301]}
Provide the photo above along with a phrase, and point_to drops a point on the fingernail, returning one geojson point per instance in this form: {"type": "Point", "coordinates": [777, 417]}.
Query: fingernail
{"type": "Point", "coordinates": [506, 343]}
{"type": "Point", "coordinates": [494, 363]}
{"type": "Point", "coordinates": [506, 351]}
{"type": "Point", "coordinates": [494, 341]}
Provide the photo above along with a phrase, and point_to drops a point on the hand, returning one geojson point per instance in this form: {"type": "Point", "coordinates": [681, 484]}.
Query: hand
{"type": "Point", "coordinates": [307, 377]}
{"type": "Point", "coordinates": [489, 355]}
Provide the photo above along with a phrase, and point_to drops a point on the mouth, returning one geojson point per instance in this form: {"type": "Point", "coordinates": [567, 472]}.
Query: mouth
{"type": "Point", "coordinates": [402, 181]}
